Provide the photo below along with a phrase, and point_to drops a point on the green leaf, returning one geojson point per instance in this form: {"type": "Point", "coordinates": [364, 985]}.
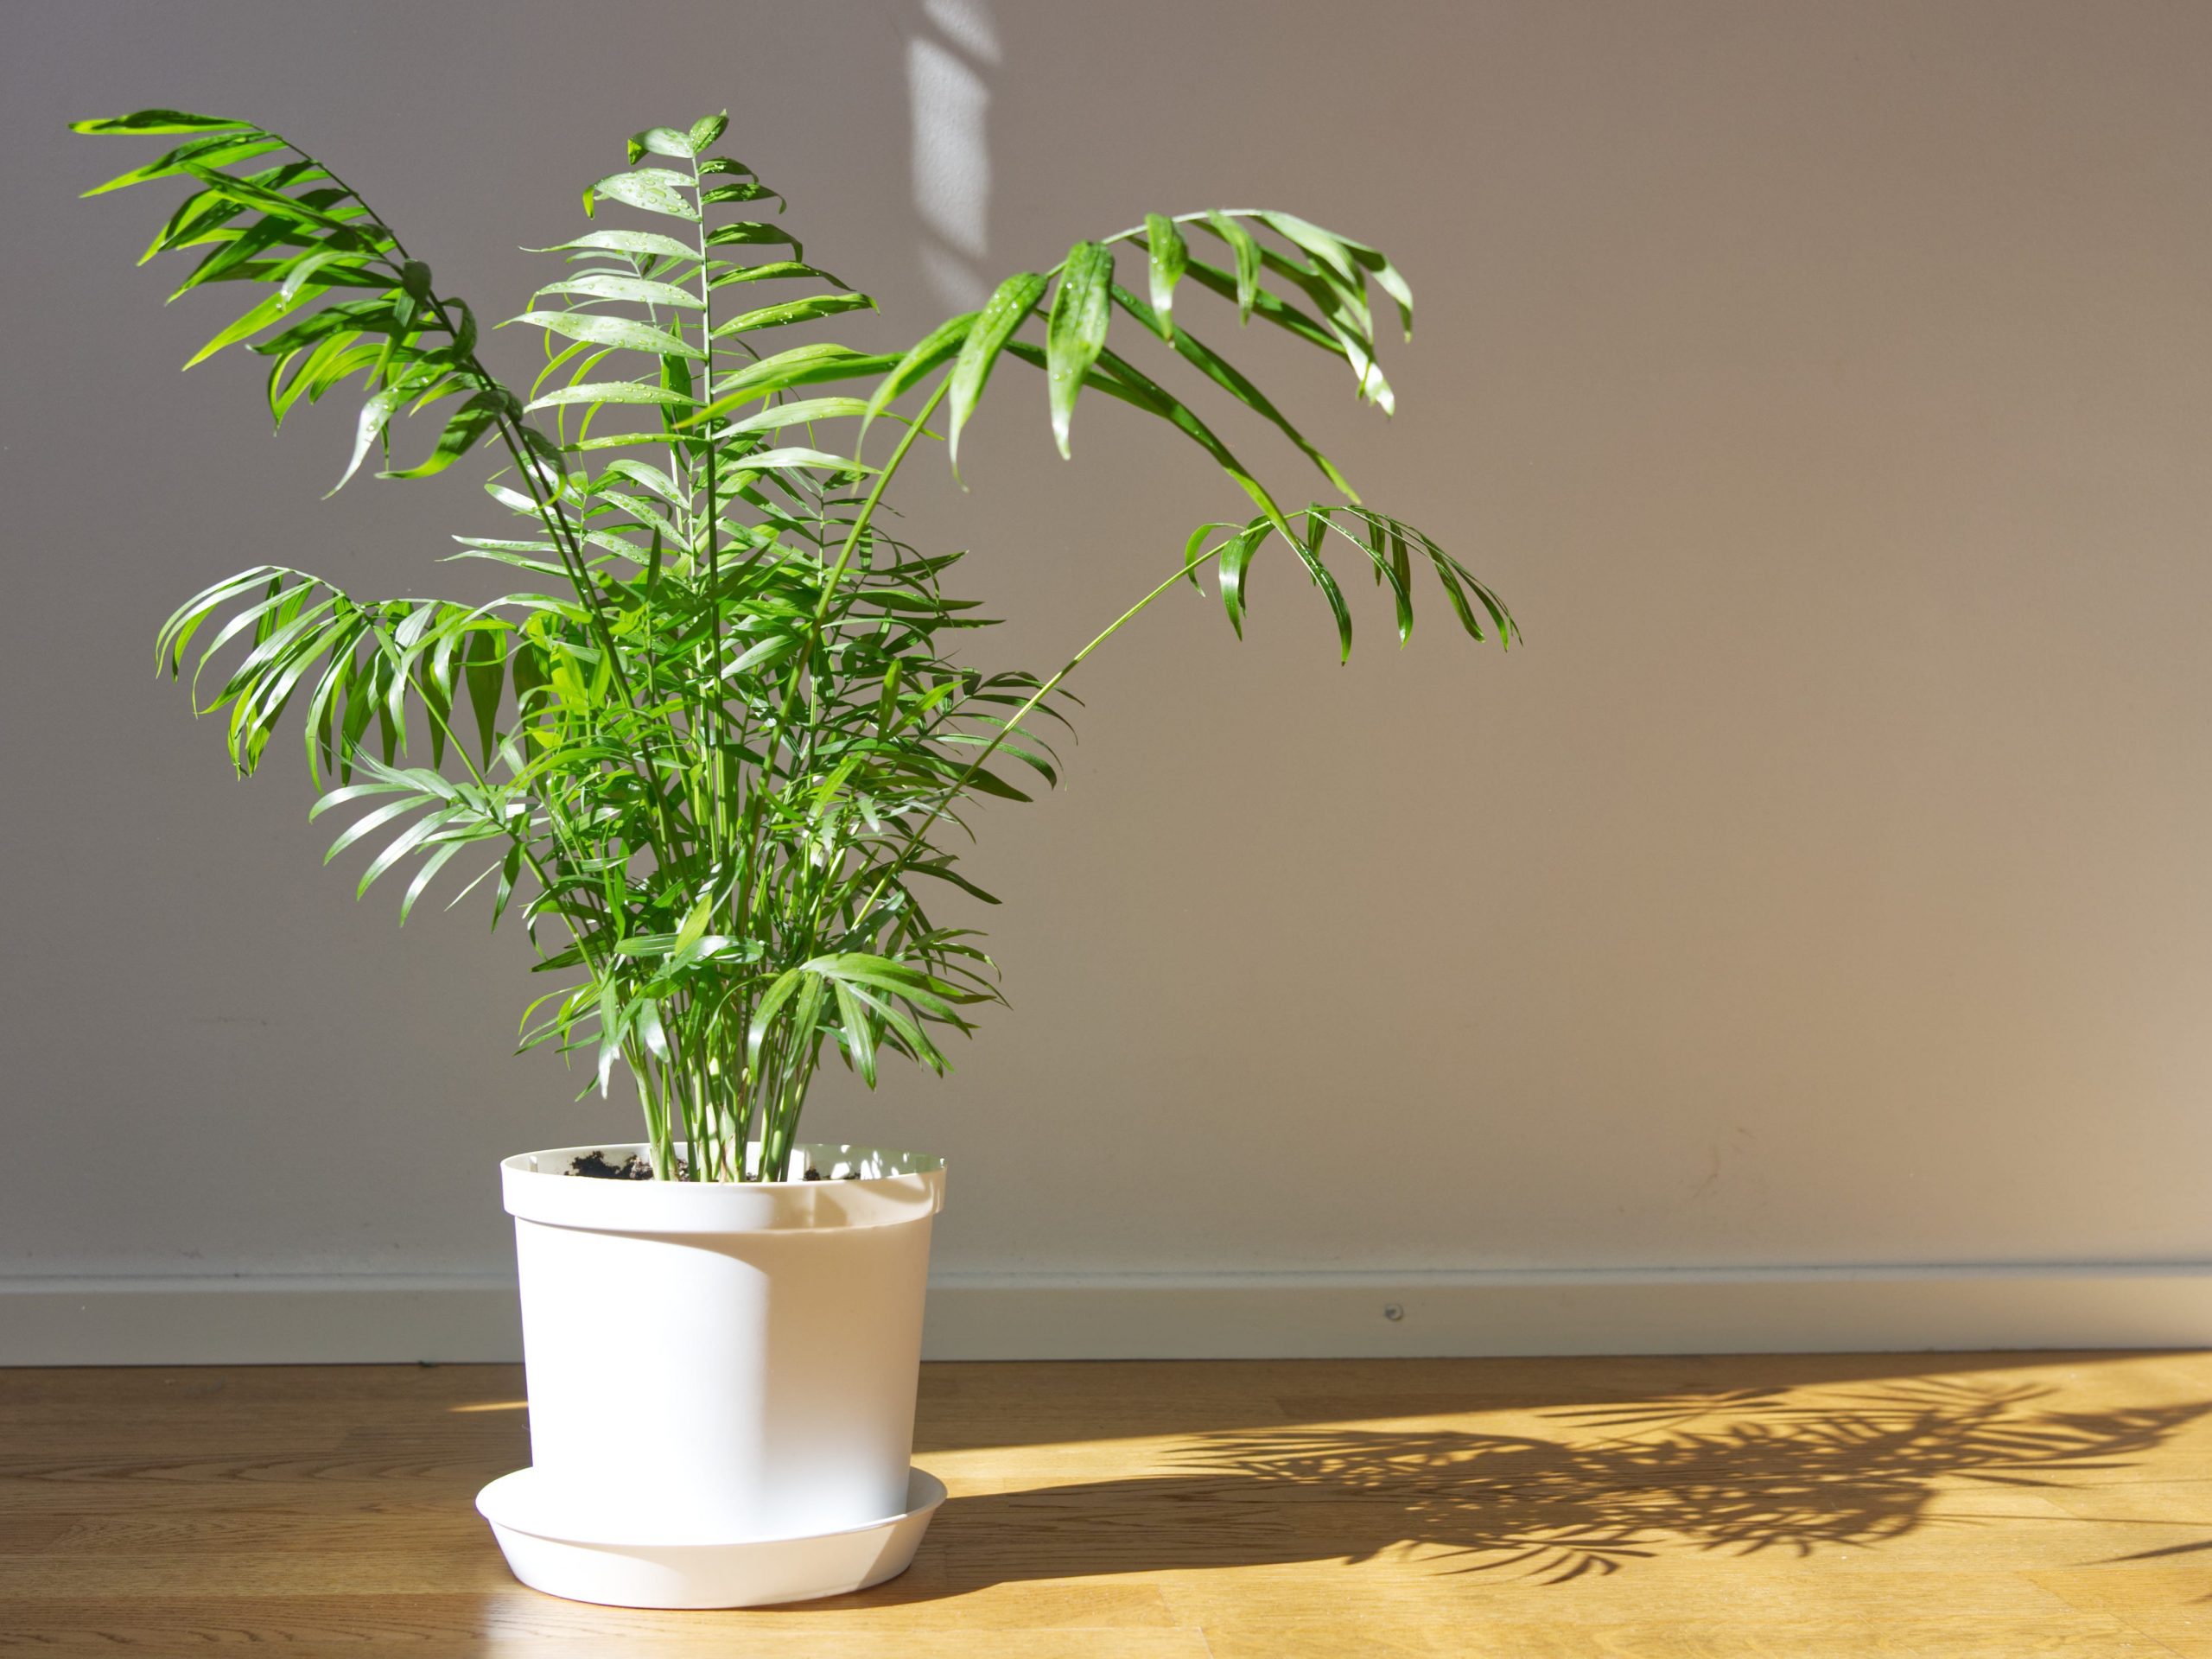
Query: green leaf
{"type": "Point", "coordinates": [650, 242]}
{"type": "Point", "coordinates": [764, 1012]}
{"type": "Point", "coordinates": [855, 1031]}
{"type": "Point", "coordinates": [376, 415]}
{"type": "Point", "coordinates": [1247, 251]}
{"type": "Point", "coordinates": [1008, 309]}
{"type": "Point", "coordinates": [346, 317]}
{"type": "Point", "coordinates": [799, 366]}
{"type": "Point", "coordinates": [653, 478]}
{"type": "Point", "coordinates": [779, 415]}
{"type": "Point", "coordinates": [236, 253]}
{"type": "Point", "coordinates": [611, 285]}
{"type": "Point", "coordinates": [1387, 278]}
{"type": "Point", "coordinates": [903, 979]}
{"type": "Point", "coordinates": [806, 310]}
{"type": "Point", "coordinates": [1309, 554]}
{"type": "Point", "coordinates": [1195, 549]}
{"type": "Point", "coordinates": [806, 1012]}
{"type": "Point", "coordinates": [510, 868]}
{"type": "Point", "coordinates": [198, 217]}
{"type": "Point", "coordinates": [276, 306]}
{"type": "Point", "coordinates": [1076, 332]}
{"type": "Point", "coordinates": [984, 782]}
{"type": "Point", "coordinates": [309, 267]}
{"type": "Point", "coordinates": [770, 460]}
{"type": "Point", "coordinates": [1168, 256]}
{"type": "Point", "coordinates": [354, 792]}
{"type": "Point", "coordinates": [610, 1033]}
{"type": "Point", "coordinates": [773, 649]}
{"type": "Point", "coordinates": [772, 269]}
{"type": "Point", "coordinates": [1387, 554]}
{"type": "Point", "coordinates": [944, 872]}
{"type": "Point", "coordinates": [483, 664]}
{"type": "Point", "coordinates": [1235, 560]}
{"type": "Point", "coordinates": [706, 130]}
{"type": "Point", "coordinates": [694, 924]}
{"type": "Point", "coordinates": [609, 391]}
{"type": "Point", "coordinates": [436, 682]}
{"type": "Point", "coordinates": [742, 192]}
{"type": "Point", "coordinates": [656, 189]}
{"type": "Point", "coordinates": [662, 140]}
{"type": "Point", "coordinates": [1452, 574]}
{"type": "Point", "coordinates": [596, 329]}
{"type": "Point", "coordinates": [431, 866]}
{"type": "Point", "coordinates": [409, 802]}
{"type": "Point", "coordinates": [746, 232]}
{"type": "Point", "coordinates": [466, 424]}
{"type": "Point", "coordinates": [177, 633]}
{"type": "Point", "coordinates": [151, 121]}
{"type": "Point", "coordinates": [650, 1031]}
{"type": "Point", "coordinates": [406, 842]}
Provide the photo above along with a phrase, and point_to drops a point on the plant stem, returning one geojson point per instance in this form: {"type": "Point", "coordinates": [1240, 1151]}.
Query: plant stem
{"type": "Point", "coordinates": [713, 737]}
{"type": "Point", "coordinates": [914, 835]}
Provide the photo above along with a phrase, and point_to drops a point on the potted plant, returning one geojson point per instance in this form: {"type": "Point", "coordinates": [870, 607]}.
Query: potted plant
{"type": "Point", "coordinates": [712, 750]}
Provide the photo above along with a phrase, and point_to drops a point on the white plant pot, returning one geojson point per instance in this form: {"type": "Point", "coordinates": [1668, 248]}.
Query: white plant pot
{"type": "Point", "coordinates": [721, 1380]}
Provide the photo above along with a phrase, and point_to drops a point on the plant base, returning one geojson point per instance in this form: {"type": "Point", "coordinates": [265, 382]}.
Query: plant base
{"type": "Point", "coordinates": [550, 1547]}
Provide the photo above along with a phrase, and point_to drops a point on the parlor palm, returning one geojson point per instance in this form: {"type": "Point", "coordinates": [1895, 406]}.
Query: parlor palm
{"type": "Point", "coordinates": [712, 751]}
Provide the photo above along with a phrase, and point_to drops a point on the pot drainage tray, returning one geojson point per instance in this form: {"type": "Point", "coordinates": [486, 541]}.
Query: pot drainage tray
{"type": "Point", "coordinates": [543, 1552]}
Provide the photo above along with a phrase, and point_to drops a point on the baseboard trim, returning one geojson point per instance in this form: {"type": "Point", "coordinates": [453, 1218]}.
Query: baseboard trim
{"type": "Point", "coordinates": [347, 1318]}
{"type": "Point", "coordinates": [1557, 1312]}
{"type": "Point", "coordinates": [262, 1320]}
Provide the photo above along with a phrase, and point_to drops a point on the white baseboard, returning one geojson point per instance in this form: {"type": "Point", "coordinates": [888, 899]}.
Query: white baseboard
{"type": "Point", "coordinates": [1671, 1311]}
{"type": "Point", "coordinates": [351, 1319]}
{"type": "Point", "coordinates": [264, 1319]}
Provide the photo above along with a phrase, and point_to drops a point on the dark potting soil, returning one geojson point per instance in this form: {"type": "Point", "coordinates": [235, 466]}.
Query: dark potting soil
{"type": "Point", "coordinates": [594, 1163]}
{"type": "Point", "coordinates": [634, 1168]}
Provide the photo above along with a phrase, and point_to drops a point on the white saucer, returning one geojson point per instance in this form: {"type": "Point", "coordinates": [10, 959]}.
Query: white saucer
{"type": "Point", "coordinates": [750, 1572]}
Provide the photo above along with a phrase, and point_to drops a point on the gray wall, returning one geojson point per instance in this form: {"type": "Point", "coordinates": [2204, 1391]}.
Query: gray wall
{"type": "Point", "coordinates": [1826, 386]}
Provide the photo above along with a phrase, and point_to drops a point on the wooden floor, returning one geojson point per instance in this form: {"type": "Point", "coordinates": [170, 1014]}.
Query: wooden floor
{"type": "Point", "coordinates": [1751, 1509]}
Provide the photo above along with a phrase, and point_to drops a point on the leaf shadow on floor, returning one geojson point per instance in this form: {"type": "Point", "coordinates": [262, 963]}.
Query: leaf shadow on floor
{"type": "Point", "coordinates": [1713, 1473]}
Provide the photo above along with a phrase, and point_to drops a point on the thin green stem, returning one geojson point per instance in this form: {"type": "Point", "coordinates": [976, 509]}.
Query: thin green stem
{"type": "Point", "coordinates": [715, 734]}
{"type": "Point", "coordinates": [913, 837]}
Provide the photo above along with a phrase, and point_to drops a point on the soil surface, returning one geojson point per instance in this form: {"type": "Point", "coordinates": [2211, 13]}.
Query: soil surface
{"type": "Point", "coordinates": [594, 1163]}
{"type": "Point", "coordinates": [634, 1168]}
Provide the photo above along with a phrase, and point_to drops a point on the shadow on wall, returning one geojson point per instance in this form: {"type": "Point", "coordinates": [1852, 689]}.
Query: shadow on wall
{"type": "Point", "coordinates": [1735, 1472]}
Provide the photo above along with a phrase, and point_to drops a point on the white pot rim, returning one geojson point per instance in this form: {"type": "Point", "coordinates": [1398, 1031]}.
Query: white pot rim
{"type": "Point", "coordinates": [863, 1186]}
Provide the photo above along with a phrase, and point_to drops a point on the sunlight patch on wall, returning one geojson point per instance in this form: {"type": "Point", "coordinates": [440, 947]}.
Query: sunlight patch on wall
{"type": "Point", "coordinates": [946, 65]}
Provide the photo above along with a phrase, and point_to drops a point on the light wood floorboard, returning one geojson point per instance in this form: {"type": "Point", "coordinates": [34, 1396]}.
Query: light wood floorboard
{"type": "Point", "coordinates": [1736, 1508]}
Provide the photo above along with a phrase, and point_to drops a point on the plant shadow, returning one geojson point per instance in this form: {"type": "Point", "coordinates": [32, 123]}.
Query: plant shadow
{"type": "Point", "coordinates": [1736, 1471]}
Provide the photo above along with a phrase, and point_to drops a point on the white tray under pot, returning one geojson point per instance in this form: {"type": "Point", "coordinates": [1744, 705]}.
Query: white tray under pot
{"type": "Point", "coordinates": [551, 1546]}
{"type": "Point", "coordinates": [721, 1380]}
